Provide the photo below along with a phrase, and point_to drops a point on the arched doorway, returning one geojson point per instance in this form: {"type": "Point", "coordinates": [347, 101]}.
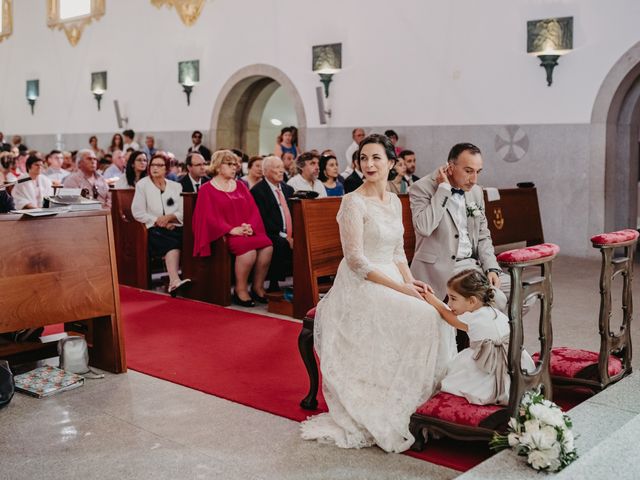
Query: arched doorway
{"type": "Point", "coordinates": [239, 111]}
{"type": "Point", "coordinates": [615, 134]}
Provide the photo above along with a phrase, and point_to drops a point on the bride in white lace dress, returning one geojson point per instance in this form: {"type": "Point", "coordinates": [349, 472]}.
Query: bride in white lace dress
{"type": "Point", "coordinates": [382, 348]}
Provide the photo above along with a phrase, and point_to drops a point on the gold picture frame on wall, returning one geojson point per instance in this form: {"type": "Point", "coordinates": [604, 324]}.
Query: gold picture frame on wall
{"type": "Point", "coordinates": [73, 26]}
{"type": "Point", "coordinates": [6, 25]}
{"type": "Point", "coordinates": [189, 10]}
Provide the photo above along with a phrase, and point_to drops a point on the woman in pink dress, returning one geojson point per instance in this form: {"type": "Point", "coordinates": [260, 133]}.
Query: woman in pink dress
{"type": "Point", "coordinates": [226, 208]}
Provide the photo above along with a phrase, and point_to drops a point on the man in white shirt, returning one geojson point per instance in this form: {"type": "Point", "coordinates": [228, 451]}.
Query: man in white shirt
{"type": "Point", "coordinates": [358, 135]}
{"type": "Point", "coordinates": [195, 177]}
{"type": "Point", "coordinates": [55, 172]}
{"type": "Point", "coordinates": [129, 140]}
{"type": "Point", "coordinates": [309, 166]}
{"type": "Point", "coordinates": [31, 189]}
{"type": "Point", "coordinates": [118, 163]}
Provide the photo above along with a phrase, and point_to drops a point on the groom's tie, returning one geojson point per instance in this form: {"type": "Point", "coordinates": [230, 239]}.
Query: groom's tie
{"type": "Point", "coordinates": [457, 191]}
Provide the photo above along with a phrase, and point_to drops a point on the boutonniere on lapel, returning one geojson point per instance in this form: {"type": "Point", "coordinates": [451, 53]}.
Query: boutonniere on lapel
{"type": "Point", "coordinates": [473, 209]}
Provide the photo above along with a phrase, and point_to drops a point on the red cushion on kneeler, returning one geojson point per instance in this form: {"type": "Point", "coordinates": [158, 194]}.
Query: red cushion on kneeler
{"type": "Point", "coordinates": [311, 313]}
{"type": "Point", "coordinates": [454, 409]}
{"type": "Point", "coordinates": [569, 362]}
{"type": "Point", "coordinates": [529, 253]}
{"type": "Point", "coordinates": [612, 238]}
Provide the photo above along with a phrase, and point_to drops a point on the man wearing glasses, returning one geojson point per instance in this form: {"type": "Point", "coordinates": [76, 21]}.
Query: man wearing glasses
{"type": "Point", "coordinates": [87, 179]}
{"type": "Point", "coordinates": [197, 147]}
{"type": "Point", "coordinates": [31, 189]}
{"type": "Point", "coordinates": [196, 177]}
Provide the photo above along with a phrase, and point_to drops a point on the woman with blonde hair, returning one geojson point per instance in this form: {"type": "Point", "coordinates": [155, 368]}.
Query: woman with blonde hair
{"type": "Point", "coordinates": [225, 208]}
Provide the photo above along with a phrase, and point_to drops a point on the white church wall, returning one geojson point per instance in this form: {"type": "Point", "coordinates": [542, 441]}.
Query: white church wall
{"type": "Point", "coordinates": [436, 71]}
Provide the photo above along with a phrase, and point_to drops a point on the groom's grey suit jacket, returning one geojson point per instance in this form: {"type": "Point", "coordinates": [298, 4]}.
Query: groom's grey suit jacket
{"type": "Point", "coordinates": [437, 234]}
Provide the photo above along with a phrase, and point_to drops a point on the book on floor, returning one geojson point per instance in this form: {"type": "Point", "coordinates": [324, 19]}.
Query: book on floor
{"type": "Point", "coordinates": [47, 380]}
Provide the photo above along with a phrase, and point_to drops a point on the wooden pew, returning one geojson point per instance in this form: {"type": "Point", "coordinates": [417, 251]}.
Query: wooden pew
{"type": "Point", "coordinates": [130, 240]}
{"type": "Point", "coordinates": [317, 252]}
{"type": "Point", "coordinates": [61, 268]}
{"type": "Point", "coordinates": [210, 276]}
{"type": "Point", "coordinates": [515, 217]}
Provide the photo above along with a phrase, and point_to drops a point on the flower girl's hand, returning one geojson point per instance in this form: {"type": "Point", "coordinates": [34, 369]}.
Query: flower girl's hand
{"type": "Point", "coordinates": [431, 299]}
{"type": "Point", "coordinates": [422, 286]}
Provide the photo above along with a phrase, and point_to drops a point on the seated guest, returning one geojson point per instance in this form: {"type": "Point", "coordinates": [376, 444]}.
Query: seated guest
{"type": "Point", "coordinates": [226, 208]}
{"type": "Point", "coordinates": [354, 180]}
{"type": "Point", "coordinates": [157, 203]}
{"type": "Point", "coordinates": [117, 143]}
{"type": "Point", "coordinates": [329, 176]}
{"type": "Point", "coordinates": [271, 196]}
{"type": "Point", "coordinates": [69, 164]}
{"type": "Point", "coordinates": [129, 140]}
{"type": "Point", "coordinates": [149, 148]}
{"type": "Point", "coordinates": [7, 165]}
{"type": "Point", "coordinates": [6, 201]}
{"type": "Point", "coordinates": [198, 147]}
{"type": "Point", "coordinates": [393, 136]}
{"type": "Point", "coordinates": [135, 170]}
{"type": "Point", "coordinates": [87, 179]}
{"type": "Point", "coordinates": [397, 183]}
{"type": "Point", "coordinates": [93, 142]}
{"type": "Point", "coordinates": [255, 172]}
{"type": "Point", "coordinates": [289, 162]}
{"type": "Point", "coordinates": [55, 172]}
{"type": "Point", "coordinates": [195, 177]}
{"type": "Point", "coordinates": [118, 163]}
{"type": "Point", "coordinates": [31, 190]}
{"type": "Point", "coordinates": [285, 144]}
{"type": "Point", "coordinates": [18, 169]}
{"type": "Point", "coordinates": [409, 158]}
{"type": "Point", "coordinates": [307, 179]}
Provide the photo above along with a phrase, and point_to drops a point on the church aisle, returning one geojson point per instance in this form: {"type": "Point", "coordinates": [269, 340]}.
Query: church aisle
{"type": "Point", "coordinates": [136, 426]}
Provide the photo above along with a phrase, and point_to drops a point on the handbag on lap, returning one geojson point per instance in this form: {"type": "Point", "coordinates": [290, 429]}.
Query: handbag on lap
{"type": "Point", "coordinates": [7, 386]}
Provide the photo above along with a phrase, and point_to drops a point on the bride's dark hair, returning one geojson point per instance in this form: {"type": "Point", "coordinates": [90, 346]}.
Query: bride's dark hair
{"type": "Point", "coordinates": [472, 283]}
{"type": "Point", "coordinates": [378, 139]}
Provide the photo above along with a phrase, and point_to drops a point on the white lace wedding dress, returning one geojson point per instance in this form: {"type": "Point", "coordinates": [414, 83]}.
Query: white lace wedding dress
{"type": "Point", "coordinates": [381, 352]}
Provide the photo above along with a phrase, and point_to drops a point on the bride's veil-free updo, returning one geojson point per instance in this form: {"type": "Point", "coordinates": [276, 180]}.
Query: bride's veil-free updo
{"type": "Point", "coordinates": [378, 139]}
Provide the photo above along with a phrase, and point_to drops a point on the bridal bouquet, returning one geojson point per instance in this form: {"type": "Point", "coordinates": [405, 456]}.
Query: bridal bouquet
{"type": "Point", "coordinates": [540, 432]}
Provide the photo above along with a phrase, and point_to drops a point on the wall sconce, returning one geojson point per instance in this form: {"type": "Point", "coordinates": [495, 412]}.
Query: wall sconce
{"type": "Point", "coordinates": [548, 39]}
{"type": "Point", "coordinates": [33, 92]}
{"type": "Point", "coordinates": [98, 85]}
{"type": "Point", "coordinates": [188, 76]}
{"type": "Point", "coordinates": [327, 60]}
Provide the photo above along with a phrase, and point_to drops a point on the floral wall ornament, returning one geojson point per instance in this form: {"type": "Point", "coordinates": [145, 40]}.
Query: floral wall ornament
{"type": "Point", "coordinates": [73, 15]}
{"type": "Point", "coordinates": [189, 10]}
{"type": "Point", "coordinates": [6, 19]}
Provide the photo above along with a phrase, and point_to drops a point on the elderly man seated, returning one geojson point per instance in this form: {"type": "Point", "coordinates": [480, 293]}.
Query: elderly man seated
{"type": "Point", "coordinates": [271, 196]}
{"type": "Point", "coordinates": [91, 184]}
{"type": "Point", "coordinates": [31, 190]}
{"type": "Point", "coordinates": [309, 167]}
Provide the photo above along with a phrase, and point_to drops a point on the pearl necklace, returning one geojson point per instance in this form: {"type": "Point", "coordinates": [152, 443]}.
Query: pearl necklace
{"type": "Point", "coordinates": [219, 187]}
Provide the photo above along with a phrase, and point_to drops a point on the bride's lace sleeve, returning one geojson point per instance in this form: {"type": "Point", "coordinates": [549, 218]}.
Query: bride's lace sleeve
{"type": "Point", "coordinates": [351, 221]}
{"type": "Point", "coordinates": [398, 252]}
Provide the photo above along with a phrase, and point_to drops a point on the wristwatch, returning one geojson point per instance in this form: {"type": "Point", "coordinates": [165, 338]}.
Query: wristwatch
{"type": "Point", "coordinates": [496, 270]}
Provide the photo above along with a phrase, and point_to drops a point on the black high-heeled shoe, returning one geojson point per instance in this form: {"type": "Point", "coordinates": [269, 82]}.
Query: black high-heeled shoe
{"type": "Point", "coordinates": [242, 303]}
{"type": "Point", "coordinates": [258, 298]}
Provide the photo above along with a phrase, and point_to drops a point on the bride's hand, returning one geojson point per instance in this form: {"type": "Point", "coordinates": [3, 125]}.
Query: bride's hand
{"type": "Point", "coordinates": [422, 287]}
{"type": "Point", "coordinates": [411, 290]}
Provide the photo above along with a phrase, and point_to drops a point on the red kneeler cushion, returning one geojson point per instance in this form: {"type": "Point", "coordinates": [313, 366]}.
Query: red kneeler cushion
{"type": "Point", "coordinates": [455, 409]}
{"type": "Point", "coordinates": [529, 253]}
{"type": "Point", "coordinates": [311, 314]}
{"type": "Point", "coordinates": [569, 362]}
{"type": "Point", "coordinates": [612, 238]}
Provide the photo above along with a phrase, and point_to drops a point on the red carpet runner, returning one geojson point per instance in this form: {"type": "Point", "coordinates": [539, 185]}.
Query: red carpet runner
{"type": "Point", "coordinates": [246, 358]}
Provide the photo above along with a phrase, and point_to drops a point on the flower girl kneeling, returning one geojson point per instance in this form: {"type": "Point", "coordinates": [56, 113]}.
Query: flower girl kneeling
{"type": "Point", "coordinates": [478, 373]}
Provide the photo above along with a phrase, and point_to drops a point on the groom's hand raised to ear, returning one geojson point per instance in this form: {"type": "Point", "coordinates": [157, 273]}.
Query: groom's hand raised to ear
{"type": "Point", "coordinates": [443, 174]}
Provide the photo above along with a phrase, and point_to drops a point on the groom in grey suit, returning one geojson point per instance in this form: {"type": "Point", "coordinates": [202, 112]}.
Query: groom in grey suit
{"type": "Point", "coordinates": [452, 235]}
